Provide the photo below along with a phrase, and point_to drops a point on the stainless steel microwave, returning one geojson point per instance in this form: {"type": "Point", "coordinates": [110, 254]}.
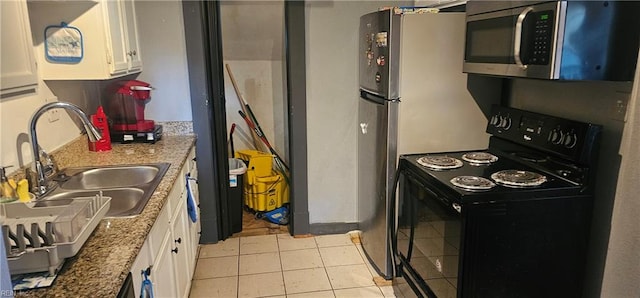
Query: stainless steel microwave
{"type": "Point", "coordinates": [556, 40]}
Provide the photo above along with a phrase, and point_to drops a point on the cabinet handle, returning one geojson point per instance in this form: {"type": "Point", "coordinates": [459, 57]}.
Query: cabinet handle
{"type": "Point", "coordinates": [146, 271]}
{"type": "Point", "coordinates": [134, 52]}
{"type": "Point", "coordinates": [175, 250]}
{"type": "Point", "coordinates": [129, 53]}
{"type": "Point", "coordinates": [179, 240]}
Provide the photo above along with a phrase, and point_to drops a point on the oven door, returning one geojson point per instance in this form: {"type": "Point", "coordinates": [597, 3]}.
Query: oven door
{"type": "Point", "coordinates": [514, 42]}
{"type": "Point", "coordinates": [428, 239]}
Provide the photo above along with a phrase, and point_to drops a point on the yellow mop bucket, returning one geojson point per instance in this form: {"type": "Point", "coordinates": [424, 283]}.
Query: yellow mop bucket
{"type": "Point", "coordinates": [266, 193]}
{"type": "Point", "coordinates": [258, 162]}
{"type": "Point", "coordinates": [264, 189]}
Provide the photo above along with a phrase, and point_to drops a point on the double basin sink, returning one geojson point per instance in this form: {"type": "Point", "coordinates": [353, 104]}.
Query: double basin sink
{"type": "Point", "coordinates": [129, 186]}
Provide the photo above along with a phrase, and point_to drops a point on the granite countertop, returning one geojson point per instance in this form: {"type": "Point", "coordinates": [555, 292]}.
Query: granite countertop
{"type": "Point", "coordinates": [101, 266]}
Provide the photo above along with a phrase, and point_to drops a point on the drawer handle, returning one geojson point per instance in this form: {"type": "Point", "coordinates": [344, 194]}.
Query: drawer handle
{"type": "Point", "coordinates": [179, 240]}
{"type": "Point", "coordinates": [175, 250]}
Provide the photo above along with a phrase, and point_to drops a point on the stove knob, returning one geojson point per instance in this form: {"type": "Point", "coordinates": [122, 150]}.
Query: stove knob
{"type": "Point", "coordinates": [570, 140]}
{"type": "Point", "coordinates": [555, 136]}
{"type": "Point", "coordinates": [505, 123]}
{"type": "Point", "coordinates": [494, 120]}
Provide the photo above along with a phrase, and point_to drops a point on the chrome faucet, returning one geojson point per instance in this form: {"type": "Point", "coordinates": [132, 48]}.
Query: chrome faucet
{"type": "Point", "coordinates": [42, 185]}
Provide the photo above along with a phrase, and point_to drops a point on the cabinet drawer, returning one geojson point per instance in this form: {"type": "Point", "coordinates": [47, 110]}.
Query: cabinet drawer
{"type": "Point", "coordinates": [176, 191]}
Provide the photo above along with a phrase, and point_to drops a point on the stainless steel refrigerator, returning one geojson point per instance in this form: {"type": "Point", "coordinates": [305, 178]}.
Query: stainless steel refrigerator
{"type": "Point", "coordinates": [414, 99]}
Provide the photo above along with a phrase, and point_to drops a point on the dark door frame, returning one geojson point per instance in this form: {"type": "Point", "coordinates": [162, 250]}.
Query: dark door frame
{"type": "Point", "coordinates": [206, 79]}
{"type": "Point", "coordinates": [294, 15]}
{"type": "Point", "coordinates": [206, 82]}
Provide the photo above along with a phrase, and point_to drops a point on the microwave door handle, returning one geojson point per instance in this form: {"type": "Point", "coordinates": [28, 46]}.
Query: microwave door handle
{"type": "Point", "coordinates": [518, 38]}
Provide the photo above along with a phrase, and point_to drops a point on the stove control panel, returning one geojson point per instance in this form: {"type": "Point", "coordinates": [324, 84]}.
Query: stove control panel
{"type": "Point", "coordinates": [570, 139]}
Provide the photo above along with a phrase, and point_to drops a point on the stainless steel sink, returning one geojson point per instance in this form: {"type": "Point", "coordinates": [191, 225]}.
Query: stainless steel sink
{"type": "Point", "coordinates": [124, 201]}
{"type": "Point", "coordinates": [129, 186]}
{"type": "Point", "coordinates": [122, 176]}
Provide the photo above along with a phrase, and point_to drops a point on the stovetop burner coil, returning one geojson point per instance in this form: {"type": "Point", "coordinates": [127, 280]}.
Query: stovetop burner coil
{"type": "Point", "coordinates": [479, 157]}
{"type": "Point", "coordinates": [440, 162]}
{"type": "Point", "coordinates": [517, 178]}
{"type": "Point", "coordinates": [473, 183]}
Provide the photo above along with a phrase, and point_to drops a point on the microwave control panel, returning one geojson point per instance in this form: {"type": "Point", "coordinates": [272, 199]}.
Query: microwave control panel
{"type": "Point", "coordinates": [537, 37]}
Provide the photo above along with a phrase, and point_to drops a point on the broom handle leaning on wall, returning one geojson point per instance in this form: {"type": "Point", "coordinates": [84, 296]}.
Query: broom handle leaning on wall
{"type": "Point", "coordinates": [279, 162]}
{"type": "Point", "coordinates": [263, 137]}
{"type": "Point", "coordinates": [256, 139]}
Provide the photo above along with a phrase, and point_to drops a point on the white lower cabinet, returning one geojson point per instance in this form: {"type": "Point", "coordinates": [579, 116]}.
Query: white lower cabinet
{"type": "Point", "coordinates": [163, 271]}
{"type": "Point", "coordinates": [181, 252]}
{"type": "Point", "coordinates": [170, 251]}
{"type": "Point", "coordinates": [194, 227]}
{"type": "Point", "coordinates": [142, 263]}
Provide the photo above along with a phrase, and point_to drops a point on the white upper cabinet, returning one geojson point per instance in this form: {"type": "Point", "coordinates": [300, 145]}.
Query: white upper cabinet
{"type": "Point", "coordinates": [133, 42]}
{"type": "Point", "coordinates": [17, 63]}
{"type": "Point", "coordinates": [109, 38]}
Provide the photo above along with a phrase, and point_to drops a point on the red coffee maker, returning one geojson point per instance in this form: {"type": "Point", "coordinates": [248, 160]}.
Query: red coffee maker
{"type": "Point", "coordinates": [126, 110]}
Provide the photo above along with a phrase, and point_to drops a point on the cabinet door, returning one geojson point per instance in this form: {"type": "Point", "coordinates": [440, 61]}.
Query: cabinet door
{"type": "Point", "coordinates": [142, 262]}
{"type": "Point", "coordinates": [194, 227]}
{"type": "Point", "coordinates": [17, 66]}
{"type": "Point", "coordinates": [182, 257]}
{"type": "Point", "coordinates": [162, 272]}
{"type": "Point", "coordinates": [116, 37]}
{"type": "Point", "coordinates": [132, 43]}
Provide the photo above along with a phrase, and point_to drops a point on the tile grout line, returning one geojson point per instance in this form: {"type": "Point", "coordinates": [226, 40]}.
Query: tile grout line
{"type": "Point", "coordinates": [281, 267]}
{"type": "Point", "coordinates": [324, 266]}
{"type": "Point", "coordinates": [238, 275]}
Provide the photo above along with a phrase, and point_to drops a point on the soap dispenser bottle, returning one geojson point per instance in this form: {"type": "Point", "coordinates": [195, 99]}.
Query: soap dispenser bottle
{"type": "Point", "coordinates": [99, 119]}
{"type": "Point", "coordinates": [7, 192]}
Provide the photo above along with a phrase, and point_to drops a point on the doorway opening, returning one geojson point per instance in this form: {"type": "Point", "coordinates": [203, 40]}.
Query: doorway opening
{"type": "Point", "coordinates": [253, 48]}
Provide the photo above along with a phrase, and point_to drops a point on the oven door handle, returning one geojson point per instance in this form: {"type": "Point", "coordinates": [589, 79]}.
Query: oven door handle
{"type": "Point", "coordinates": [441, 198]}
{"type": "Point", "coordinates": [434, 195]}
{"type": "Point", "coordinates": [517, 43]}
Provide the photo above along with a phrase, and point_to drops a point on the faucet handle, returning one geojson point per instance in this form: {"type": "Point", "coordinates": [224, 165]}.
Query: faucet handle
{"type": "Point", "coordinates": [49, 166]}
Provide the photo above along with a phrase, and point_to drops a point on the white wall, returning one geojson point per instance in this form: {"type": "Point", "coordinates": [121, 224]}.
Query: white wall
{"type": "Point", "coordinates": [253, 47]}
{"type": "Point", "coordinates": [15, 113]}
{"type": "Point", "coordinates": [164, 58]}
{"type": "Point", "coordinates": [261, 85]}
{"type": "Point", "coordinates": [332, 106]}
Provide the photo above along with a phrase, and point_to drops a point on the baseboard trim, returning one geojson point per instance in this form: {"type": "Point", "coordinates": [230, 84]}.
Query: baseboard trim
{"type": "Point", "coordinates": [332, 228]}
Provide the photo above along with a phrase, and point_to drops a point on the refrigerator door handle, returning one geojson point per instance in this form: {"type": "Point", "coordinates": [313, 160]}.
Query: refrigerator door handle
{"type": "Point", "coordinates": [373, 98]}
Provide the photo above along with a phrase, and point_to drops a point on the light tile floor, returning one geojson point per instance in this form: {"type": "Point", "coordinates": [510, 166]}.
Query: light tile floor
{"type": "Point", "coordinates": [284, 266]}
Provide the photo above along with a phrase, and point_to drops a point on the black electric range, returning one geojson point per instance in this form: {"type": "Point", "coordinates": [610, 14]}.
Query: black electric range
{"type": "Point", "coordinates": [512, 223]}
